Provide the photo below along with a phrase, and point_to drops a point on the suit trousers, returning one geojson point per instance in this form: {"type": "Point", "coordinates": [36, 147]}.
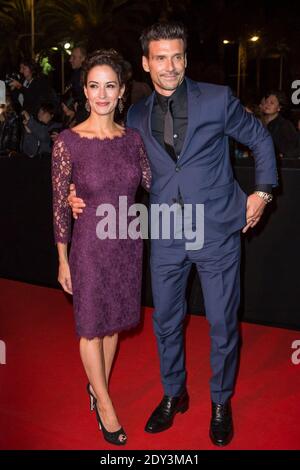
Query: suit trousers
{"type": "Point", "coordinates": [218, 266]}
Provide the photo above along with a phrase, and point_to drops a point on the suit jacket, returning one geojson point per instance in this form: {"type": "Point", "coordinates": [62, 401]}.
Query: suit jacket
{"type": "Point", "coordinates": [203, 172]}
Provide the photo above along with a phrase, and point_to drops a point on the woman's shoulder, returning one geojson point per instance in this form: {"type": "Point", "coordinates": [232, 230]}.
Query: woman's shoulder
{"type": "Point", "coordinates": [65, 135]}
{"type": "Point", "coordinates": [65, 140]}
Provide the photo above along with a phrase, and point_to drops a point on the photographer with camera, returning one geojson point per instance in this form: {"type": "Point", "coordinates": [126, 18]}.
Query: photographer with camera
{"type": "Point", "coordinates": [34, 90]}
{"type": "Point", "coordinates": [37, 136]}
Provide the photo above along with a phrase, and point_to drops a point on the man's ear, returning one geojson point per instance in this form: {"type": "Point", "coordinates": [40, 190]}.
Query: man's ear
{"type": "Point", "coordinates": [145, 63]}
{"type": "Point", "coordinates": [185, 61]}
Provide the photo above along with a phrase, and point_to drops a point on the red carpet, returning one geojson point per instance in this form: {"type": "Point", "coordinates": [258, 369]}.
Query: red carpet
{"type": "Point", "coordinates": [44, 405]}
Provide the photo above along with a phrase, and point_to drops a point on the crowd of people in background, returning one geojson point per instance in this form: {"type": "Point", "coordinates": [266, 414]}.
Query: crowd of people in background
{"type": "Point", "coordinates": [33, 114]}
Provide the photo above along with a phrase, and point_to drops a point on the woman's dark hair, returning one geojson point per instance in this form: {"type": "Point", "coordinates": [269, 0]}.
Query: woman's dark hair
{"type": "Point", "coordinates": [159, 31]}
{"type": "Point", "coordinates": [68, 100]}
{"type": "Point", "coordinates": [108, 57]}
{"type": "Point", "coordinates": [32, 65]}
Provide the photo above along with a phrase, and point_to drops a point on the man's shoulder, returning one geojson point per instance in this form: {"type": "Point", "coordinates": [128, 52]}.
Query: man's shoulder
{"type": "Point", "coordinates": [209, 88]}
{"type": "Point", "coordinates": [136, 111]}
{"type": "Point", "coordinates": [140, 104]}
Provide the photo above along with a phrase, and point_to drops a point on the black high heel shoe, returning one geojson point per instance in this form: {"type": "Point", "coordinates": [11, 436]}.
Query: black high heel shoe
{"type": "Point", "coordinates": [111, 437]}
{"type": "Point", "coordinates": [118, 438]}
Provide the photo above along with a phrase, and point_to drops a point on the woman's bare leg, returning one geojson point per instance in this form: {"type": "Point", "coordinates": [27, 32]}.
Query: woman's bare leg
{"type": "Point", "coordinates": [94, 365]}
{"type": "Point", "coordinates": [109, 349]}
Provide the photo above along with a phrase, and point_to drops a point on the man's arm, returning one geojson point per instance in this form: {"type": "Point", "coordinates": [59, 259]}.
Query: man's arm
{"type": "Point", "coordinates": [248, 130]}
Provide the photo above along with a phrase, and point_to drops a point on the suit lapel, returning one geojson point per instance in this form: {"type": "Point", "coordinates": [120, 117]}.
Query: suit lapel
{"type": "Point", "coordinates": [194, 110]}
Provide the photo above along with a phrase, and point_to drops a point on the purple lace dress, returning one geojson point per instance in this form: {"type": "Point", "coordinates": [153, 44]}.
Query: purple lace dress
{"type": "Point", "coordinates": [105, 273]}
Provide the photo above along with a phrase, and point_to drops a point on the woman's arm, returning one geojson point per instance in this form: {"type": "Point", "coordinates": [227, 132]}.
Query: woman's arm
{"type": "Point", "coordinates": [61, 178]}
{"type": "Point", "coordinates": [64, 275]}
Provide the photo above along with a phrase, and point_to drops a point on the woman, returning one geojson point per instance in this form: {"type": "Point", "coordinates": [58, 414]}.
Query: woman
{"type": "Point", "coordinates": [285, 136]}
{"type": "Point", "coordinates": [105, 161]}
{"type": "Point", "coordinates": [33, 91]}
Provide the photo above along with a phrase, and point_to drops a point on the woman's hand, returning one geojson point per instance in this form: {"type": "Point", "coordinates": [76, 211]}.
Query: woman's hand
{"type": "Point", "coordinates": [64, 277]}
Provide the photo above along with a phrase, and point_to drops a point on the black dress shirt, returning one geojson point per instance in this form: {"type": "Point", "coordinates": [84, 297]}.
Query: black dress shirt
{"type": "Point", "coordinates": [179, 108]}
{"type": "Point", "coordinates": [180, 116]}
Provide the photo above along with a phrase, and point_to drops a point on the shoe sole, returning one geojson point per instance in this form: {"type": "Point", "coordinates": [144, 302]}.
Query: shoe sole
{"type": "Point", "coordinates": [221, 444]}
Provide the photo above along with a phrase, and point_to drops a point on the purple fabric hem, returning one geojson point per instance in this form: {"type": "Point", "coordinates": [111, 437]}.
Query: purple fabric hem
{"type": "Point", "coordinates": [107, 332]}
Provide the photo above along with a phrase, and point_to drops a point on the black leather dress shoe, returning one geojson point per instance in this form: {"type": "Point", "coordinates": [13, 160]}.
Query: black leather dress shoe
{"type": "Point", "coordinates": [163, 416]}
{"type": "Point", "coordinates": [221, 426]}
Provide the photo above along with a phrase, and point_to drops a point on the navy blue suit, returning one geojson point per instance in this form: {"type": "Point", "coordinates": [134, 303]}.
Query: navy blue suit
{"type": "Point", "coordinates": [202, 175]}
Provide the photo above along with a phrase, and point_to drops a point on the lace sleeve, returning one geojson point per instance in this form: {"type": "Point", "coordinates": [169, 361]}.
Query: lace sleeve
{"type": "Point", "coordinates": [61, 178]}
{"type": "Point", "coordinates": [146, 171]}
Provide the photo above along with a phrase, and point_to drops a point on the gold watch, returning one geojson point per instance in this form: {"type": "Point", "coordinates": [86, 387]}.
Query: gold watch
{"type": "Point", "coordinates": [267, 197]}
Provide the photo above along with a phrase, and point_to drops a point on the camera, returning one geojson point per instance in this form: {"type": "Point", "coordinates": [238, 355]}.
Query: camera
{"type": "Point", "coordinates": [10, 77]}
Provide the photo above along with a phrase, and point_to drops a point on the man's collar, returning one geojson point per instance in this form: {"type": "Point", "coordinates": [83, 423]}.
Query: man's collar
{"type": "Point", "coordinates": [176, 96]}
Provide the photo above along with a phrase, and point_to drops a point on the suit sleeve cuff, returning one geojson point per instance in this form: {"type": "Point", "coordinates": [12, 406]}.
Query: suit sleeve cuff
{"type": "Point", "coordinates": [266, 188]}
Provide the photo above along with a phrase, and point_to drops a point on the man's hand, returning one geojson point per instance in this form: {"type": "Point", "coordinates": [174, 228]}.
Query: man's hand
{"type": "Point", "coordinates": [75, 203]}
{"type": "Point", "coordinates": [14, 84]}
{"type": "Point", "coordinates": [255, 207]}
{"type": "Point", "coordinates": [26, 115]}
{"type": "Point", "coordinates": [54, 135]}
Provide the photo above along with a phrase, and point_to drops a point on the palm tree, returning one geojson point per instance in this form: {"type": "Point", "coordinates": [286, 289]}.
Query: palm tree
{"type": "Point", "coordinates": [98, 23]}
{"type": "Point", "coordinates": [15, 30]}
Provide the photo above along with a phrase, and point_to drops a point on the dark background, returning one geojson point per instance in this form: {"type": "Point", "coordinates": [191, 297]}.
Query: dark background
{"type": "Point", "coordinates": [118, 24]}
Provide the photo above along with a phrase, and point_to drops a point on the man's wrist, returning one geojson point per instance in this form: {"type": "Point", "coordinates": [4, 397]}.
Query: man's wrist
{"type": "Point", "coordinates": [266, 188]}
{"type": "Point", "coordinates": [267, 197]}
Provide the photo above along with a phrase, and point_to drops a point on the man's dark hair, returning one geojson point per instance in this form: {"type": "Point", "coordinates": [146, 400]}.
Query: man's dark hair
{"type": "Point", "coordinates": [82, 48]}
{"type": "Point", "coordinates": [159, 31]}
{"type": "Point", "coordinates": [282, 99]}
{"type": "Point", "coordinates": [48, 107]}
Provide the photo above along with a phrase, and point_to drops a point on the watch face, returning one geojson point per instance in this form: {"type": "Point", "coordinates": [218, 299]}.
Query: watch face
{"type": "Point", "coordinates": [268, 197]}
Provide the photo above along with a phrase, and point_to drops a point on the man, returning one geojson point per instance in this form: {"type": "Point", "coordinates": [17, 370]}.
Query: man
{"type": "Point", "coordinates": [185, 126]}
{"type": "Point", "coordinates": [77, 58]}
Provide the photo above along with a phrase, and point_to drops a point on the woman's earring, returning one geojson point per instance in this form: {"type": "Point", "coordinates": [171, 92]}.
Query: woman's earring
{"type": "Point", "coordinates": [87, 106]}
{"type": "Point", "coordinates": [120, 105]}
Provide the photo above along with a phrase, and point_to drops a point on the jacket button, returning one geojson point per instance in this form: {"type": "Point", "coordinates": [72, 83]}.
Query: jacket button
{"type": "Point", "coordinates": [177, 168]}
